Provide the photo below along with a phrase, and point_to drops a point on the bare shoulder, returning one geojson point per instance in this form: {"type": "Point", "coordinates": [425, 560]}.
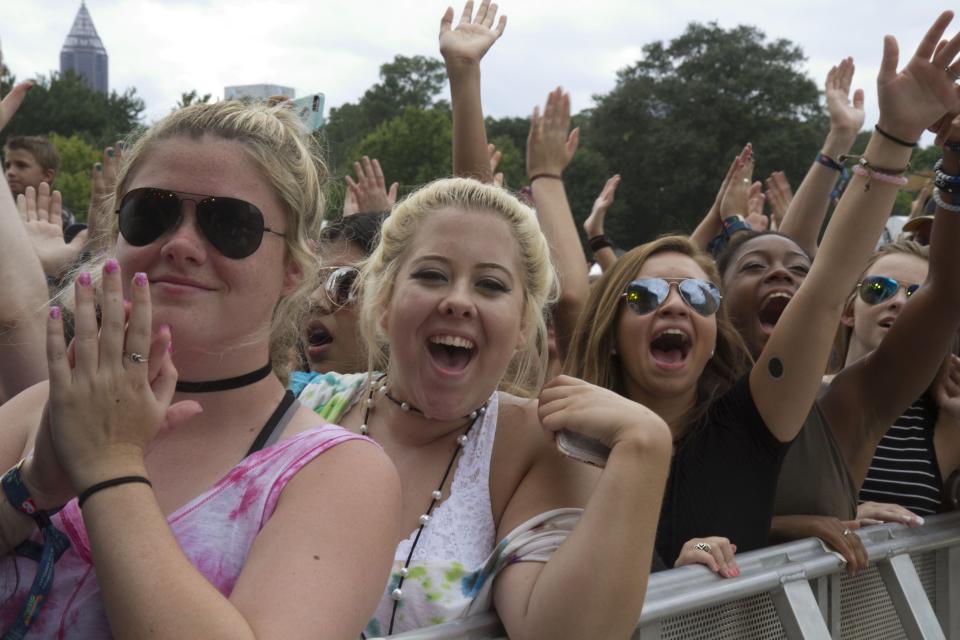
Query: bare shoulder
{"type": "Point", "coordinates": [528, 474]}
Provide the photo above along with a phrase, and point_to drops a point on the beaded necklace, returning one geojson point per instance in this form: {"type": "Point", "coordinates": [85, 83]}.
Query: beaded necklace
{"type": "Point", "coordinates": [435, 496]}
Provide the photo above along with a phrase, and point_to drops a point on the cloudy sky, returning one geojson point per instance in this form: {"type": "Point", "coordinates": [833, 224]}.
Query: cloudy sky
{"type": "Point", "coordinates": [165, 47]}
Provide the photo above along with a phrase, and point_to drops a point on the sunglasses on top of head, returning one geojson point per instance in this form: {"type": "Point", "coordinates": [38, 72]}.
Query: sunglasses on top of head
{"type": "Point", "coordinates": [234, 227]}
{"type": "Point", "coordinates": [647, 294]}
{"type": "Point", "coordinates": [876, 289]}
{"type": "Point", "coordinates": [338, 284]}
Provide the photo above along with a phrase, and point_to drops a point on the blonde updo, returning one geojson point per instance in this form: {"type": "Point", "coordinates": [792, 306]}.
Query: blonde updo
{"type": "Point", "coordinates": [524, 376]}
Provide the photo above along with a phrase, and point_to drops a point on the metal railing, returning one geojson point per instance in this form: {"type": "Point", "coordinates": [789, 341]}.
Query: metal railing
{"type": "Point", "coordinates": [798, 591]}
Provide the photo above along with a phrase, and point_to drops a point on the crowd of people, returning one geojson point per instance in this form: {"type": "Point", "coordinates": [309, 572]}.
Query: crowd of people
{"type": "Point", "coordinates": [227, 417]}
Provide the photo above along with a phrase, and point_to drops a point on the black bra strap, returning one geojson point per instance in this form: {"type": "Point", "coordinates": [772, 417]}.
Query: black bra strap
{"type": "Point", "coordinates": [271, 423]}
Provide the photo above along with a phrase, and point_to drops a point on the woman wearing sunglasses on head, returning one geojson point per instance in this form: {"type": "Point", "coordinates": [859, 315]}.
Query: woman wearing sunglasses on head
{"type": "Point", "coordinates": [666, 346]}
{"type": "Point", "coordinates": [330, 340]}
{"type": "Point", "coordinates": [181, 465]}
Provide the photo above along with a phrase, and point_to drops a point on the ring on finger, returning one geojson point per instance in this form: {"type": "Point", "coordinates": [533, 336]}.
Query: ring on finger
{"type": "Point", "coordinates": [953, 74]}
{"type": "Point", "coordinates": [139, 358]}
{"type": "Point", "coordinates": [702, 546]}
{"type": "Point", "coordinates": [847, 532]}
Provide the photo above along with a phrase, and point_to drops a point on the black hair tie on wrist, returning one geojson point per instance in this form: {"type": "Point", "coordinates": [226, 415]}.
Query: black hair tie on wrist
{"type": "Point", "coordinates": [599, 242]}
{"type": "Point", "coordinates": [106, 484]}
{"type": "Point", "coordinates": [892, 138]}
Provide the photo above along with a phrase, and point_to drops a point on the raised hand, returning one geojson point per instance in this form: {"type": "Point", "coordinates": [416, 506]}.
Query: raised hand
{"type": "Point", "coordinates": [923, 91]}
{"type": "Point", "coordinates": [737, 189]}
{"type": "Point", "coordinates": [593, 225]}
{"type": "Point", "coordinates": [369, 190]}
{"type": "Point", "coordinates": [549, 145]}
{"type": "Point", "coordinates": [495, 157]}
{"type": "Point", "coordinates": [11, 102]}
{"type": "Point", "coordinates": [755, 200]}
{"type": "Point", "coordinates": [103, 180]}
{"type": "Point", "coordinates": [473, 36]}
{"type": "Point", "coordinates": [779, 196]}
{"type": "Point", "coordinates": [846, 118]}
{"type": "Point", "coordinates": [107, 407]}
{"type": "Point", "coordinates": [42, 218]}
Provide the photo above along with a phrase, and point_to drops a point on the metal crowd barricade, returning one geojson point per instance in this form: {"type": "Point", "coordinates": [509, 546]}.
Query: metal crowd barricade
{"type": "Point", "coordinates": [798, 590]}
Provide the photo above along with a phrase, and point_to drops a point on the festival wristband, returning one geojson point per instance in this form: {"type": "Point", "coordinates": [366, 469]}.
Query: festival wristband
{"type": "Point", "coordinates": [599, 242]}
{"type": "Point", "coordinates": [552, 176]}
{"type": "Point", "coordinates": [829, 162]}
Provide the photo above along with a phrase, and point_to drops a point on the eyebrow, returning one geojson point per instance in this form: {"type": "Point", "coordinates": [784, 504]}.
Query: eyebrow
{"type": "Point", "coordinates": [481, 265]}
{"type": "Point", "coordinates": [767, 255]}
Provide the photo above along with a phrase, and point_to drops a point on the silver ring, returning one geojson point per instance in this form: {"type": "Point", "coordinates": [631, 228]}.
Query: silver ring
{"type": "Point", "coordinates": [953, 74]}
{"type": "Point", "coordinates": [746, 181]}
{"type": "Point", "coordinates": [847, 532]}
{"type": "Point", "coordinates": [135, 357]}
{"type": "Point", "coordinates": [702, 546]}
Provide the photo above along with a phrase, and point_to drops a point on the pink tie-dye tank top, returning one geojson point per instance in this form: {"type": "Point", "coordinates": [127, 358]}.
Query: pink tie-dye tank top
{"type": "Point", "coordinates": [215, 531]}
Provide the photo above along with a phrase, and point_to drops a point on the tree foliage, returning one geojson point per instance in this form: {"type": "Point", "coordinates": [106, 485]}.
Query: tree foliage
{"type": "Point", "coordinates": [413, 147]}
{"type": "Point", "coordinates": [63, 104]}
{"type": "Point", "coordinates": [406, 82]}
{"type": "Point", "coordinates": [677, 117]}
{"type": "Point", "coordinates": [77, 158]}
{"type": "Point", "coordinates": [188, 98]}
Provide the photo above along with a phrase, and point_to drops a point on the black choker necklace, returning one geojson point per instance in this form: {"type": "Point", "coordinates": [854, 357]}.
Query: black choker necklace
{"type": "Point", "coordinates": [225, 384]}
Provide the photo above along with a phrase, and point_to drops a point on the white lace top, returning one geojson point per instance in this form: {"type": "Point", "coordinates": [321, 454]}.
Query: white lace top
{"type": "Point", "coordinates": [456, 543]}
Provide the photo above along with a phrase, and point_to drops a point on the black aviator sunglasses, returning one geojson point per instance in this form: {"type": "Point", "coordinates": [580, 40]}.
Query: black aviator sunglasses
{"type": "Point", "coordinates": [234, 227]}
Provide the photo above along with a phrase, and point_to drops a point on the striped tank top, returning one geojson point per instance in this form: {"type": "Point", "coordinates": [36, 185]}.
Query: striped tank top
{"type": "Point", "coordinates": [904, 468]}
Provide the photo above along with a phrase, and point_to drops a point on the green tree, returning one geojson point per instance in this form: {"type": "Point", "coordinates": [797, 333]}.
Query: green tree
{"type": "Point", "coordinates": [77, 158]}
{"type": "Point", "coordinates": [63, 104]}
{"type": "Point", "coordinates": [405, 82]}
{"type": "Point", "coordinates": [676, 118]}
{"type": "Point", "coordinates": [413, 147]}
{"type": "Point", "coordinates": [188, 98]}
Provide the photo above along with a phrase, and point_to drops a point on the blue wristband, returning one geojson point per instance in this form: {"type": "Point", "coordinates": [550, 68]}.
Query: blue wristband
{"type": "Point", "coordinates": [55, 543]}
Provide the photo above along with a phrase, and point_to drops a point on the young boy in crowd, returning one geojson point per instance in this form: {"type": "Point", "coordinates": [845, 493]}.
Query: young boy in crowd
{"type": "Point", "coordinates": [28, 161]}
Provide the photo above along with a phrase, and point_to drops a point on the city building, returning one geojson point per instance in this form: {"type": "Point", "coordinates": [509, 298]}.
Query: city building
{"type": "Point", "coordinates": [83, 52]}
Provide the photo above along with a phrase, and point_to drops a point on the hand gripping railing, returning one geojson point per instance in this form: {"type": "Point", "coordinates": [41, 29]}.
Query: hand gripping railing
{"type": "Point", "coordinates": [798, 591]}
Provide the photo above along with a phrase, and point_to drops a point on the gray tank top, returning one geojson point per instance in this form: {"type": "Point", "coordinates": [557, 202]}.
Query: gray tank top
{"type": "Point", "coordinates": [814, 479]}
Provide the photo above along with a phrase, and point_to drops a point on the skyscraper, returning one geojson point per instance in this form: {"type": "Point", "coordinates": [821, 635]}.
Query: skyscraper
{"type": "Point", "coordinates": [83, 52]}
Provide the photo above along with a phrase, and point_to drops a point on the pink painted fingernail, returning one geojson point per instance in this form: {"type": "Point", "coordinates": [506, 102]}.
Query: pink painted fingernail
{"type": "Point", "coordinates": [84, 279]}
{"type": "Point", "coordinates": [55, 313]}
{"type": "Point", "coordinates": [140, 279]}
{"type": "Point", "coordinates": [111, 266]}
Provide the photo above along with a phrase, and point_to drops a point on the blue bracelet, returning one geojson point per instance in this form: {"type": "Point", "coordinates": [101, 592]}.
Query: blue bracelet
{"type": "Point", "coordinates": [55, 543]}
{"type": "Point", "coordinates": [829, 162]}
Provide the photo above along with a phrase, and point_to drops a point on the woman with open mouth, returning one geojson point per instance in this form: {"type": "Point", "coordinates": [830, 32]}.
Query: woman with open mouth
{"type": "Point", "coordinates": [828, 463]}
{"type": "Point", "coordinates": [655, 330]}
{"type": "Point", "coordinates": [453, 302]}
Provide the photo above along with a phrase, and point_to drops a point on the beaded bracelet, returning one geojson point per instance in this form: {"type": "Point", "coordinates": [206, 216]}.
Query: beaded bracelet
{"type": "Point", "coordinates": [945, 181]}
{"type": "Point", "coordinates": [829, 162]}
{"type": "Point", "coordinates": [946, 206]}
